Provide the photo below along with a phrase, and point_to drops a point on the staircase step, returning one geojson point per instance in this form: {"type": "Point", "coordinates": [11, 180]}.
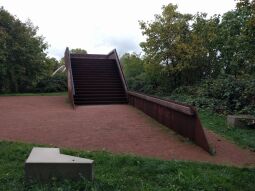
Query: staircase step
{"type": "Point", "coordinates": [110, 94]}
{"type": "Point", "coordinates": [100, 98]}
{"type": "Point", "coordinates": [76, 84]}
{"type": "Point", "coordinates": [84, 63]}
{"type": "Point", "coordinates": [99, 102]}
{"type": "Point", "coordinates": [96, 91]}
{"type": "Point", "coordinates": [100, 91]}
{"type": "Point", "coordinates": [92, 61]}
{"type": "Point", "coordinates": [104, 88]}
{"type": "Point", "coordinates": [97, 85]}
{"type": "Point", "coordinates": [97, 68]}
{"type": "Point", "coordinates": [97, 81]}
{"type": "Point", "coordinates": [98, 75]}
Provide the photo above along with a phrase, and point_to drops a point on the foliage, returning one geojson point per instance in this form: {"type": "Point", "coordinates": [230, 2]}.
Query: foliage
{"type": "Point", "coordinates": [125, 172]}
{"type": "Point", "coordinates": [223, 95]}
{"type": "Point", "coordinates": [24, 66]}
{"type": "Point", "coordinates": [78, 51]}
{"type": "Point", "coordinates": [211, 58]}
{"type": "Point", "coordinates": [132, 65]}
{"type": "Point", "coordinates": [237, 39]}
{"type": "Point", "coordinates": [236, 94]}
{"type": "Point", "coordinates": [133, 69]}
{"type": "Point", "coordinates": [22, 59]}
{"type": "Point", "coordinates": [186, 52]}
{"type": "Point", "coordinates": [56, 83]}
{"type": "Point", "coordinates": [244, 137]}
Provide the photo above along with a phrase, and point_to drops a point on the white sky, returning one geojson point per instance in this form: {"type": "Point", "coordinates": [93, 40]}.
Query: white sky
{"type": "Point", "coordinates": [99, 26]}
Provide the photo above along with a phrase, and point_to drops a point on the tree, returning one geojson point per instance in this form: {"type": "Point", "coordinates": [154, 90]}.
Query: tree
{"type": "Point", "coordinates": [22, 56]}
{"type": "Point", "coordinates": [172, 44]}
{"type": "Point", "coordinates": [133, 68]}
{"type": "Point", "coordinates": [167, 33]}
{"type": "Point", "coordinates": [237, 37]}
{"type": "Point", "coordinates": [132, 65]}
{"type": "Point", "coordinates": [78, 51]}
{"type": "Point", "coordinates": [216, 56]}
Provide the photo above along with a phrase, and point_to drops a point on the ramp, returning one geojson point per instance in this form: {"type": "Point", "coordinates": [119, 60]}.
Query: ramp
{"type": "Point", "coordinates": [99, 79]}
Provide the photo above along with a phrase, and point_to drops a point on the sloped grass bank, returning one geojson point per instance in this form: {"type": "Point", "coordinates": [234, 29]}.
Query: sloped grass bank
{"type": "Point", "coordinates": [126, 172]}
{"type": "Point", "coordinates": [244, 137]}
{"type": "Point", "coordinates": [217, 122]}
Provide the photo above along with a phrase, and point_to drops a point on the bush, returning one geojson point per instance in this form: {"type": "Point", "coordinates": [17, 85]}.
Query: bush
{"type": "Point", "coordinates": [57, 83]}
{"type": "Point", "coordinates": [225, 94]}
{"type": "Point", "coordinates": [238, 95]}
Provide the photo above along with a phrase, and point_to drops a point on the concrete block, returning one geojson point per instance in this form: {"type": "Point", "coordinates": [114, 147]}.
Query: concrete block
{"type": "Point", "coordinates": [240, 121]}
{"type": "Point", "coordinates": [45, 163]}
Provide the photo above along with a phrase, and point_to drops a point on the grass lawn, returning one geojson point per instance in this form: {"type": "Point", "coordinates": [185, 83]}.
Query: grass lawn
{"type": "Point", "coordinates": [217, 123]}
{"type": "Point", "coordinates": [126, 172]}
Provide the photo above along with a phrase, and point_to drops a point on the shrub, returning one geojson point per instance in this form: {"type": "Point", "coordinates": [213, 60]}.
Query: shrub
{"type": "Point", "coordinates": [57, 83]}
{"type": "Point", "coordinates": [225, 94]}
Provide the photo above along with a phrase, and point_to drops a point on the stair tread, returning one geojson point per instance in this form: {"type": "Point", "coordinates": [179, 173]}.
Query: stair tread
{"type": "Point", "coordinates": [100, 95]}
{"type": "Point", "coordinates": [100, 99]}
{"type": "Point", "coordinates": [97, 81]}
{"type": "Point", "coordinates": [100, 102]}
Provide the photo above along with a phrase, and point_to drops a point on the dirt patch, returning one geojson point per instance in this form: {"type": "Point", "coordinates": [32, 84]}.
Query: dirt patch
{"type": "Point", "coordinates": [116, 128]}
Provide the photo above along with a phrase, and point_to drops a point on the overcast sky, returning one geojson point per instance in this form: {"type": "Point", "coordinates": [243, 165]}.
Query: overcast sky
{"type": "Point", "coordinates": [97, 25]}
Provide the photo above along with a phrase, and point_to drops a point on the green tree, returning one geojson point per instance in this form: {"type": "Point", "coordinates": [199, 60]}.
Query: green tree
{"type": "Point", "coordinates": [171, 44]}
{"type": "Point", "coordinates": [22, 56]}
{"type": "Point", "coordinates": [132, 65]}
{"type": "Point", "coordinates": [204, 54]}
{"type": "Point", "coordinates": [237, 37]}
{"type": "Point", "coordinates": [167, 33]}
{"type": "Point", "coordinates": [133, 68]}
{"type": "Point", "coordinates": [78, 51]}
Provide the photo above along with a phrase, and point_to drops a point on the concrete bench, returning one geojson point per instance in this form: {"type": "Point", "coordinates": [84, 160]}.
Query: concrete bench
{"type": "Point", "coordinates": [45, 163]}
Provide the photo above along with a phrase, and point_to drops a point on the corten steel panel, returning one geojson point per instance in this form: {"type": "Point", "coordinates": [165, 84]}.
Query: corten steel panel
{"type": "Point", "coordinates": [185, 123]}
{"type": "Point", "coordinates": [70, 84]}
{"type": "Point", "coordinates": [113, 55]}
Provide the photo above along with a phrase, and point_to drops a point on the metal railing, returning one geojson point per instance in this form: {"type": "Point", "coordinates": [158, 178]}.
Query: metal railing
{"type": "Point", "coordinates": [179, 117]}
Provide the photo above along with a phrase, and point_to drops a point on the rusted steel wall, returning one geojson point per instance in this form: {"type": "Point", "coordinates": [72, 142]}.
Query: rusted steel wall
{"type": "Point", "coordinates": [181, 118]}
{"type": "Point", "coordinates": [70, 84]}
{"type": "Point", "coordinates": [113, 55]}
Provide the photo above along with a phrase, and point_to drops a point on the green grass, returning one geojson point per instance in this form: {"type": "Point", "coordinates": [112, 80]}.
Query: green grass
{"type": "Point", "coordinates": [217, 123]}
{"type": "Point", "coordinates": [126, 172]}
{"type": "Point", "coordinates": [36, 94]}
